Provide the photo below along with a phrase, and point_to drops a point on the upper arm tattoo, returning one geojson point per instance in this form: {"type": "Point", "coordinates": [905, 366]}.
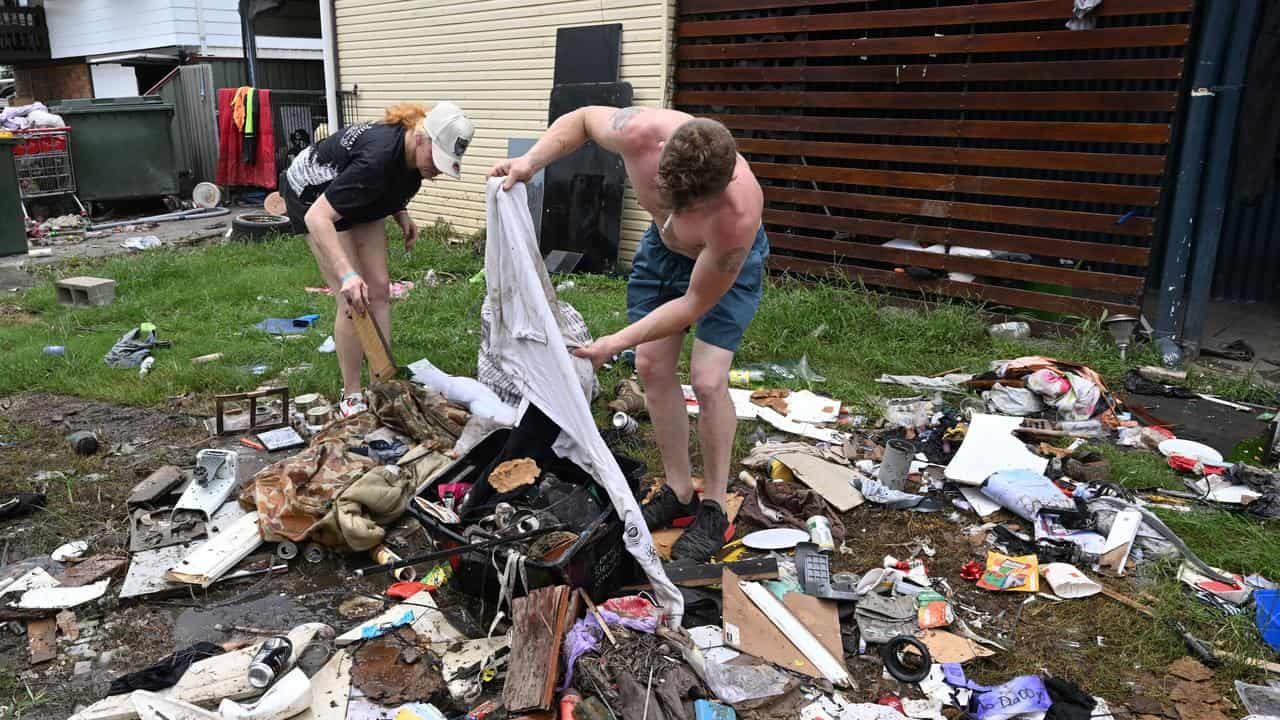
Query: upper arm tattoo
{"type": "Point", "coordinates": [732, 260]}
{"type": "Point", "coordinates": [622, 116]}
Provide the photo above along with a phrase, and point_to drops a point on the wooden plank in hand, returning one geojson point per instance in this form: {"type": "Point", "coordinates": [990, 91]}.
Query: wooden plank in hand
{"type": "Point", "coordinates": [382, 366]}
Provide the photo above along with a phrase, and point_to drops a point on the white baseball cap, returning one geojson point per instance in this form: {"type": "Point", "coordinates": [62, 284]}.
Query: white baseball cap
{"type": "Point", "coordinates": [451, 132]}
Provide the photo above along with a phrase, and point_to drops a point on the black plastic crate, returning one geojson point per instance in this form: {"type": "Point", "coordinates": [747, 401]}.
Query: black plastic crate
{"type": "Point", "coordinates": [597, 561]}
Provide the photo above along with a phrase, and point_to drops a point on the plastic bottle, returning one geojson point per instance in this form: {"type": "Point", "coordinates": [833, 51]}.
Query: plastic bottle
{"type": "Point", "coordinates": [1010, 331]}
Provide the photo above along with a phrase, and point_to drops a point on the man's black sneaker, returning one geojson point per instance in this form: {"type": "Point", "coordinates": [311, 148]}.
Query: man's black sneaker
{"type": "Point", "coordinates": [666, 508]}
{"type": "Point", "coordinates": [704, 537]}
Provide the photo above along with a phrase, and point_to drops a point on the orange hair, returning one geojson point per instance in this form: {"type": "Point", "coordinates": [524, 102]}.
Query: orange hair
{"type": "Point", "coordinates": [406, 115]}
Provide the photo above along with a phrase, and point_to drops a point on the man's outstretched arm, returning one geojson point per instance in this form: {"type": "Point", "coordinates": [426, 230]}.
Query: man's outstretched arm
{"type": "Point", "coordinates": [606, 126]}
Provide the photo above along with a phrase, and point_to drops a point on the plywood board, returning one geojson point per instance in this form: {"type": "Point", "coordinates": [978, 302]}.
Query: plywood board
{"type": "Point", "coordinates": [835, 483]}
{"type": "Point", "coordinates": [664, 539]}
{"type": "Point", "coordinates": [750, 631]}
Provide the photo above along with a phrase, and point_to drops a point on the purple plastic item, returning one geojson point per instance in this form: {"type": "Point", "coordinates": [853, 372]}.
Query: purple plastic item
{"type": "Point", "coordinates": [585, 636]}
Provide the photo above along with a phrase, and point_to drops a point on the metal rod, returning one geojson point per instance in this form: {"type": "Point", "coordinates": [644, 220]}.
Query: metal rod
{"type": "Point", "coordinates": [1192, 148]}
{"type": "Point", "coordinates": [441, 554]}
{"type": "Point", "coordinates": [1217, 184]}
{"type": "Point", "coordinates": [197, 214]}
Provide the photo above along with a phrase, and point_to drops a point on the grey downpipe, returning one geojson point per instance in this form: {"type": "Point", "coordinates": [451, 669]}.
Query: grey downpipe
{"type": "Point", "coordinates": [1191, 160]}
{"type": "Point", "coordinates": [1217, 190]}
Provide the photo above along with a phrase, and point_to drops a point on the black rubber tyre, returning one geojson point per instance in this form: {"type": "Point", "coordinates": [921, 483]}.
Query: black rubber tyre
{"type": "Point", "coordinates": [256, 227]}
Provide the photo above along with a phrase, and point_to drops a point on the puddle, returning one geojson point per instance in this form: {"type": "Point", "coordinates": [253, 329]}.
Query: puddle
{"type": "Point", "coordinates": [240, 616]}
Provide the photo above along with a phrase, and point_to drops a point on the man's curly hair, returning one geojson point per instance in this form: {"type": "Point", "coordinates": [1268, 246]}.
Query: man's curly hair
{"type": "Point", "coordinates": [697, 162]}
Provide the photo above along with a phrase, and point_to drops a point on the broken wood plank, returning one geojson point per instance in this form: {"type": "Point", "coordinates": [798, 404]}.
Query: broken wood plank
{"type": "Point", "coordinates": [539, 620]}
{"type": "Point", "coordinates": [92, 570]}
{"type": "Point", "coordinates": [42, 642]}
{"type": "Point", "coordinates": [382, 366]}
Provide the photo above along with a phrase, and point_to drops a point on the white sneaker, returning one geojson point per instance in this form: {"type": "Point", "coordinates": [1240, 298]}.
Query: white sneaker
{"type": "Point", "coordinates": [352, 404]}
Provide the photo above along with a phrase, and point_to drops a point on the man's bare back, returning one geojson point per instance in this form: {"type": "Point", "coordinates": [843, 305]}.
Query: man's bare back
{"type": "Point", "coordinates": [733, 216]}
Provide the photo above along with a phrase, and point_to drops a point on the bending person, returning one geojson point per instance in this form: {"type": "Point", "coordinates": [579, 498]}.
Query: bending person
{"type": "Point", "coordinates": [340, 192]}
{"type": "Point", "coordinates": [700, 263]}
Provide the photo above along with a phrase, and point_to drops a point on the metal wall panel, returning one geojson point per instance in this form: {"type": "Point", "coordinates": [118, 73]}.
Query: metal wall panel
{"type": "Point", "coordinates": [980, 124]}
{"type": "Point", "coordinates": [1248, 267]}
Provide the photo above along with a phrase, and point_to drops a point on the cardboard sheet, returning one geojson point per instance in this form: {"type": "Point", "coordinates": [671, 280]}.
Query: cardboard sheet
{"type": "Point", "coordinates": [989, 447]}
{"type": "Point", "coordinates": [837, 484]}
{"type": "Point", "coordinates": [749, 630]}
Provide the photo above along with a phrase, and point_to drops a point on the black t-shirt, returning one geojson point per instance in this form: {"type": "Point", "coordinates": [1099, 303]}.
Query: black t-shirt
{"type": "Point", "coordinates": [361, 170]}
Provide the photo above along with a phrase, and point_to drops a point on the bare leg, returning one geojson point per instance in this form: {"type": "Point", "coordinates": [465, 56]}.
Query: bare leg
{"type": "Point", "coordinates": [717, 421]}
{"type": "Point", "coordinates": [350, 356]}
{"type": "Point", "coordinates": [371, 248]}
{"type": "Point", "coordinates": [656, 365]}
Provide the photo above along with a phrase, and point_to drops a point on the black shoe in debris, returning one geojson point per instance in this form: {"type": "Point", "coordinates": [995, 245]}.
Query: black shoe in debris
{"type": "Point", "coordinates": [704, 537]}
{"type": "Point", "coordinates": [666, 508]}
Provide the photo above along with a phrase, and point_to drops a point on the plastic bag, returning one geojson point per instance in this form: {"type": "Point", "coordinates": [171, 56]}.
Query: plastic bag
{"type": "Point", "coordinates": [793, 371]}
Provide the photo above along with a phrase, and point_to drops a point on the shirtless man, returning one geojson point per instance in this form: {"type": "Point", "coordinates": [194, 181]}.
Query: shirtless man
{"type": "Point", "coordinates": [700, 263]}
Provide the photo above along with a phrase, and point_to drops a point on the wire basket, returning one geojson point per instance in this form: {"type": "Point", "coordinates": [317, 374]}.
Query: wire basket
{"type": "Point", "coordinates": [43, 162]}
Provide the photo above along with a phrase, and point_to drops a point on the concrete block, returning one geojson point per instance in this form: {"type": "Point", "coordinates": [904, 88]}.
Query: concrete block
{"type": "Point", "coordinates": [86, 291]}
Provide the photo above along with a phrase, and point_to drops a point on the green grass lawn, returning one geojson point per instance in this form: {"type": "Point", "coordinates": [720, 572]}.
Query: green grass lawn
{"type": "Point", "coordinates": [207, 301]}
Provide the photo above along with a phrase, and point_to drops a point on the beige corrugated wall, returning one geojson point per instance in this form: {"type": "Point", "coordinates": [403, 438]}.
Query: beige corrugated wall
{"type": "Point", "coordinates": [496, 60]}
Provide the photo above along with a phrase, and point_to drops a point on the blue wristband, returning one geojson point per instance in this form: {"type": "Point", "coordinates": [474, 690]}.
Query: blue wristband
{"type": "Point", "coordinates": [350, 274]}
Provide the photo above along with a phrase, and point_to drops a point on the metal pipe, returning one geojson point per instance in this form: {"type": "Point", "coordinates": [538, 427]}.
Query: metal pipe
{"type": "Point", "coordinates": [329, 47]}
{"type": "Point", "coordinates": [248, 38]}
{"type": "Point", "coordinates": [1194, 145]}
{"type": "Point", "coordinates": [199, 214]}
{"type": "Point", "coordinates": [1217, 189]}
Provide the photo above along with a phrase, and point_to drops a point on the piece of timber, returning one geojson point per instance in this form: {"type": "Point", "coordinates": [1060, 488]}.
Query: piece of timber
{"type": "Point", "coordinates": [382, 366]}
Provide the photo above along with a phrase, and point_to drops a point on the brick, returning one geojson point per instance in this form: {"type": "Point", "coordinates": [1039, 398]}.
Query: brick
{"type": "Point", "coordinates": [86, 291]}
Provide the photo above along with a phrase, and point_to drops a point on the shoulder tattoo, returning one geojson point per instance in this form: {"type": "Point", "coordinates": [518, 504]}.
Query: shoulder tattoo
{"type": "Point", "coordinates": [622, 116]}
{"type": "Point", "coordinates": [732, 260]}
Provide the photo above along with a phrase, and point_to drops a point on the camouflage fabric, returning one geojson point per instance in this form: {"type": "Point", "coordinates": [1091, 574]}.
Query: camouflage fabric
{"type": "Point", "coordinates": [377, 498]}
{"type": "Point", "coordinates": [413, 410]}
{"type": "Point", "coordinates": [295, 494]}
{"type": "Point", "coordinates": [335, 497]}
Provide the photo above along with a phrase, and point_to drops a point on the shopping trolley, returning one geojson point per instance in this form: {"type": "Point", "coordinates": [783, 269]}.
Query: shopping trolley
{"type": "Point", "coordinates": [43, 162]}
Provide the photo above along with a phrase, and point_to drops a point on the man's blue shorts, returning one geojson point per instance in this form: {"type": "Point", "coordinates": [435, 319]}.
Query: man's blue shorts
{"type": "Point", "coordinates": [659, 275]}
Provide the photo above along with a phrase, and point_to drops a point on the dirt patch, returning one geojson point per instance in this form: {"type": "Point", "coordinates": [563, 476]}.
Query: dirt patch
{"type": "Point", "coordinates": [14, 316]}
{"type": "Point", "coordinates": [87, 500]}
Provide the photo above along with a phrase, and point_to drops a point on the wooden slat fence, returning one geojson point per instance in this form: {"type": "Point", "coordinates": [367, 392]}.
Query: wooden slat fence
{"type": "Point", "coordinates": [969, 124]}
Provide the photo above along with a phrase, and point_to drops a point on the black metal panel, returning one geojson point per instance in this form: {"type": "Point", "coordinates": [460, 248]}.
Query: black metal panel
{"type": "Point", "coordinates": [1248, 267]}
{"type": "Point", "coordinates": [582, 207]}
{"type": "Point", "coordinates": [588, 54]}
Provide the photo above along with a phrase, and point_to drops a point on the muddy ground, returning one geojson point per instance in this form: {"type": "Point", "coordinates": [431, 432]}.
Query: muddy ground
{"type": "Point", "coordinates": [1104, 646]}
